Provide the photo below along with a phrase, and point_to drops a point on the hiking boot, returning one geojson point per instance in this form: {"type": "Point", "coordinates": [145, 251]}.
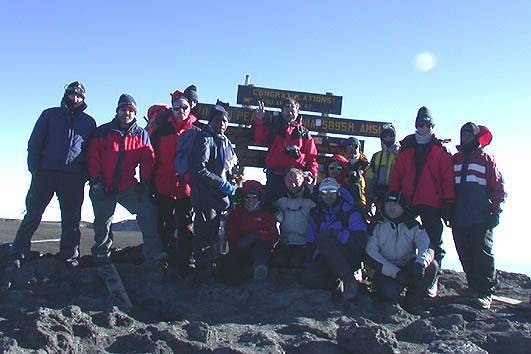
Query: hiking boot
{"type": "Point", "coordinates": [350, 291]}
{"type": "Point", "coordinates": [72, 264]}
{"type": "Point", "coordinates": [433, 289]}
{"type": "Point", "coordinates": [484, 302]}
{"type": "Point", "coordinates": [260, 272]}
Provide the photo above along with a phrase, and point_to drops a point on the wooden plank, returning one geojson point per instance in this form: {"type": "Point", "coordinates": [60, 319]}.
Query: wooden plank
{"type": "Point", "coordinates": [113, 282]}
{"type": "Point", "coordinates": [314, 102]}
{"type": "Point", "coordinates": [319, 124]}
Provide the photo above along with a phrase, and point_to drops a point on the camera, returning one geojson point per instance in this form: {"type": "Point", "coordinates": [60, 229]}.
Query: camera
{"type": "Point", "coordinates": [293, 151]}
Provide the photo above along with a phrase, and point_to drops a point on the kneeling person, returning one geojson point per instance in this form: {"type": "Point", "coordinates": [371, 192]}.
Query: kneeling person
{"type": "Point", "coordinates": [339, 232]}
{"type": "Point", "coordinates": [399, 251]}
{"type": "Point", "coordinates": [251, 233]}
{"type": "Point", "coordinates": [115, 151]}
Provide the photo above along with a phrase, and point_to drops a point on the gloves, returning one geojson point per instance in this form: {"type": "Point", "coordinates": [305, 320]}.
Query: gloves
{"type": "Point", "coordinates": [228, 188]}
{"type": "Point", "coordinates": [403, 278]}
{"type": "Point", "coordinates": [417, 271]}
{"type": "Point", "coordinates": [97, 189]}
{"type": "Point", "coordinates": [248, 240]}
{"type": "Point", "coordinates": [493, 220]}
{"type": "Point", "coordinates": [448, 213]}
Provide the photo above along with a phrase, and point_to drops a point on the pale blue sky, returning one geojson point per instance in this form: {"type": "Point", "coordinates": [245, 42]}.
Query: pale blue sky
{"type": "Point", "coordinates": [361, 50]}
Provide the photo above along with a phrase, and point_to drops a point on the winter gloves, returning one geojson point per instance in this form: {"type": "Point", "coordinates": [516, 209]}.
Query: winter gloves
{"type": "Point", "coordinates": [493, 220]}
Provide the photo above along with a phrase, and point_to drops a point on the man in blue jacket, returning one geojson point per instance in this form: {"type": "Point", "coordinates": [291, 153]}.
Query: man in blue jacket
{"type": "Point", "coordinates": [212, 162]}
{"type": "Point", "coordinates": [57, 163]}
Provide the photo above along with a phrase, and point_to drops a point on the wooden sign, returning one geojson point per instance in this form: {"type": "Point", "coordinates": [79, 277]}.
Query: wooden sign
{"type": "Point", "coordinates": [314, 102]}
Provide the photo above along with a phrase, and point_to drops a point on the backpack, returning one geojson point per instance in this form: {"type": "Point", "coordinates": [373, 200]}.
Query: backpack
{"type": "Point", "coordinates": [185, 143]}
{"type": "Point", "coordinates": [155, 114]}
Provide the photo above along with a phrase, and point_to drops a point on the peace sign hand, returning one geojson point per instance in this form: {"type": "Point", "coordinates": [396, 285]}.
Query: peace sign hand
{"type": "Point", "coordinates": [260, 113]}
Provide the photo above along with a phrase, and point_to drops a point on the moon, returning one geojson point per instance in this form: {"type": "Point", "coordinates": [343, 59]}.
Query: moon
{"type": "Point", "coordinates": [425, 61]}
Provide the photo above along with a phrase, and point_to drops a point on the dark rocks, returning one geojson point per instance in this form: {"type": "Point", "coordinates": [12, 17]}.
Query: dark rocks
{"type": "Point", "coordinates": [367, 337]}
{"type": "Point", "coordinates": [454, 347]}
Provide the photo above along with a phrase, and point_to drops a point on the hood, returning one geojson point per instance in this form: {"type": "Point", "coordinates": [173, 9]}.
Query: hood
{"type": "Point", "coordinates": [254, 186]}
{"type": "Point", "coordinates": [343, 161]}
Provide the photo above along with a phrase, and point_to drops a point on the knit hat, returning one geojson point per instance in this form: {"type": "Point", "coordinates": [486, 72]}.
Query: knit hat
{"type": "Point", "coordinates": [328, 183]}
{"type": "Point", "coordinates": [424, 116]}
{"type": "Point", "coordinates": [176, 95]}
{"type": "Point", "coordinates": [252, 186]}
{"type": "Point", "coordinates": [396, 197]}
{"type": "Point", "coordinates": [387, 128]}
{"type": "Point", "coordinates": [219, 107]}
{"type": "Point", "coordinates": [191, 93]}
{"type": "Point", "coordinates": [352, 141]}
{"type": "Point", "coordinates": [75, 87]}
{"type": "Point", "coordinates": [481, 132]}
{"type": "Point", "coordinates": [126, 100]}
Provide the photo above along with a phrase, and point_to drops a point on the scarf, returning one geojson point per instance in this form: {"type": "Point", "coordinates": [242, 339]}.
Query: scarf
{"type": "Point", "coordinates": [422, 139]}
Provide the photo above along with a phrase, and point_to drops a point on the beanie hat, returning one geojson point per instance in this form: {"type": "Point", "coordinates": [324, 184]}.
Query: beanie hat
{"type": "Point", "coordinates": [252, 186]}
{"type": "Point", "coordinates": [396, 197]}
{"type": "Point", "coordinates": [176, 95]}
{"type": "Point", "coordinates": [388, 128]}
{"type": "Point", "coordinates": [126, 100]}
{"type": "Point", "coordinates": [219, 107]}
{"type": "Point", "coordinates": [191, 93]}
{"type": "Point", "coordinates": [328, 183]}
{"type": "Point", "coordinates": [424, 116]}
{"type": "Point", "coordinates": [482, 133]}
{"type": "Point", "coordinates": [75, 87]}
{"type": "Point", "coordinates": [352, 141]}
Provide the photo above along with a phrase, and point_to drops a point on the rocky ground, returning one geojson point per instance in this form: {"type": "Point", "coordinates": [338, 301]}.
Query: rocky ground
{"type": "Point", "coordinates": [49, 308]}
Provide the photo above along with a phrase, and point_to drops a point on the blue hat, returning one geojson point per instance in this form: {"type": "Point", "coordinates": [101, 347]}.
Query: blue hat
{"type": "Point", "coordinates": [126, 100]}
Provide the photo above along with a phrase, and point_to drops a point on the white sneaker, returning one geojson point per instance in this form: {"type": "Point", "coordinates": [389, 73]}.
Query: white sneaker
{"type": "Point", "coordinates": [260, 272]}
{"type": "Point", "coordinates": [433, 289]}
{"type": "Point", "coordinates": [484, 302]}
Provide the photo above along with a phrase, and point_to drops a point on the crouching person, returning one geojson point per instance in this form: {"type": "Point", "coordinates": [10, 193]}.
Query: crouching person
{"type": "Point", "coordinates": [293, 213]}
{"type": "Point", "coordinates": [399, 251]}
{"type": "Point", "coordinates": [115, 151]}
{"type": "Point", "coordinates": [251, 234]}
{"type": "Point", "coordinates": [339, 233]}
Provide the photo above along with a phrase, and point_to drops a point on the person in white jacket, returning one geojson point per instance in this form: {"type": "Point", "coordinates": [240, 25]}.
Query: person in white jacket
{"type": "Point", "coordinates": [400, 253]}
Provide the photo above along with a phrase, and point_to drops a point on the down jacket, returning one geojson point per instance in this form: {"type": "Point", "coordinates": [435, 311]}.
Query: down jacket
{"type": "Point", "coordinates": [113, 155]}
{"type": "Point", "coordinates": [434, 185]}
{"type": "Point", "coordinates": [295, 214]}
{"type": "Point", "coordinates": [392, 245]}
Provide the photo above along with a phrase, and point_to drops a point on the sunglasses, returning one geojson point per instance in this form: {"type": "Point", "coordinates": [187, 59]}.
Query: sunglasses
{"type": "Point", "coordinates": [183, 107]}
{"type": "Point", "coordinates": [328, 191]}
{"type": "Point", "coordinates": [251, 196]}
{"type": "Point", "coordinates": [336, 168]}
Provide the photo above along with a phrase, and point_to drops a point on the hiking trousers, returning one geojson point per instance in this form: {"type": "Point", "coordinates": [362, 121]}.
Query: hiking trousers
{"type": "Point", "coordinates": [146, 216]}
{"type": "Point", "coordinates": [474, 247]}
{"type": "Point", "coordinates": [431, 220]}
{"type": "Point", "coordinates": [69, 188]}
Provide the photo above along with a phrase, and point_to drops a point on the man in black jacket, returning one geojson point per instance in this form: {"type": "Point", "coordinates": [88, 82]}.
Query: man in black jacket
{"type": "Point", "coordinates": [211, 170]}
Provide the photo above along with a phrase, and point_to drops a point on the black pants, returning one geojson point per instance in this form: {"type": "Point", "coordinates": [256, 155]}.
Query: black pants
{"type": "Point", "coordinates": [175, 228]}
{"type": "Point", "coordinates": [389, 289]}
{"type": "Point", "coordinates": [206, 237]}
{"type": "Point", "coordinates": [234, 267]}
{"type": "Point", "coordinates": [335, 262]}
{"type": "Point", "coordinates": [69, 190]}
{"type": "Point", "coordinates": [474, 247]}
{"type": "Point", "coordinates": [275, 185]}
{"type": "Point", "coordinates": [431, 220]}
{"type": "Point", "coordinates": [288, 256]}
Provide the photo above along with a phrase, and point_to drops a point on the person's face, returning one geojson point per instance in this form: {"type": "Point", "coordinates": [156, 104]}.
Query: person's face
{"type": "Point", "coordinates": [290, 111]}
{"type": "Point", "coordinates": [329, 196]}
{"type": "Point", "coordinates": [424, 128]}
{"type": "Point", "coordinates": [294, 181]}
{"type": "Point", "coordinates": [181, 108]}
{"type": "Point", "coordinates": [352, 150]}
{"type": "Point", "coordinates": [219, 123]}
{"type": "Point", "coordinates": [388, 137]}
{"type": "Point", "coordinates": [76, 99]}
{"type": "Point", "coordinates": [251, 201]}
{"type": "Point", "coordinates": [466, 137]}
{"type": "Point", "coordinates": [393, 210]}
{"type": "Point", "coordinates": [335, 169]}
{"type": "Point", "coordinates": [126, 114]}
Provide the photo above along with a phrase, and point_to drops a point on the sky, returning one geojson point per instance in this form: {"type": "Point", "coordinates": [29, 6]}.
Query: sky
{"type": "Point", "coordinates": [465, 61]}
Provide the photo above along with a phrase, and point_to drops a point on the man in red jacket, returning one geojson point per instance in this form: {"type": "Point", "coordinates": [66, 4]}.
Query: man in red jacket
{"type": "Point", "coordinates": [251, 234]}
{"type": "Point", "coordinates": [290, 145]}
{"type": "Point", "coordinates": [114, 152]}
{"type": "Point", "coordinates": [423, 173]}
{"type": "Point", "coordinates": [479, 193]}
{"type": "Point", "coordinates": [172, 191]}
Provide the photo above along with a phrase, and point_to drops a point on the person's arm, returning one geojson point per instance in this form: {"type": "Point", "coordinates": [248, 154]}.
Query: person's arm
{"type": "Point", "coordinates": [398, 172]}
{"type": "Point", "coordinates": [37, 141]}
{"type": "Point", "coordinates": [422, 242]}
{"type": "Point", "coordinates": [495, 186]}
{"type": "Point", "coordinates": [262, 132]}
{"type": "Point", "coordinates": [310, 151]}
{"type": "Point", "coordinates": [376, 259]}
{"type": "Point", "coordinates": [94, 156]}
{"type": "Point", "coordinates": [447, 177]}
{"type": "Point", "coordinates": [233, 230]}
{"type": "Point", "coordinates": [147, 159]}
{"type": "Point", "coordinates": [199, 161]}
{"type": "Point", "coordinates": [268, 229]}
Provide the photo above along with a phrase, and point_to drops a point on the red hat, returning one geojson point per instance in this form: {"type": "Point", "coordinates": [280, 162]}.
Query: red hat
{"type": "Point", "coordinates": [254, 186]}
{"type": "Point", "coordinates": [177, 94]}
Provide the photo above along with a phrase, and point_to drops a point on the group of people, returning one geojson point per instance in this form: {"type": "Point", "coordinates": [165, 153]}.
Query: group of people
{"type": "Point", "coordinates": [196, 214]}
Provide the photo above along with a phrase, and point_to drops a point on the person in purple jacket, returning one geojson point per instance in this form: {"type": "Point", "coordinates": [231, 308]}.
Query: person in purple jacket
{"type": "Point", "coordinates": [337, 235]}
{"type": "Point", "coordinates": [57, 163]}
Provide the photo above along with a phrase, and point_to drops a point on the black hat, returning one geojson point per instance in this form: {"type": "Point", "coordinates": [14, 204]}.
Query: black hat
{"type": "Point", "coordinates": [191, 93]}
{"type": "Point", "coordinates": [75, 87]}
{"type": "Point", "coordinates": [424, 116]}
{"type": "Point", "coordinates": [352, 141]}
{"type": "Point", "coordinates": [126, 100]}
{"type": "Point", "coordinates": [471, 128]}
{"type": "Point", "coordinates": [396, 197]}
{"type": "Point", "coordinates": [219, 107]}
